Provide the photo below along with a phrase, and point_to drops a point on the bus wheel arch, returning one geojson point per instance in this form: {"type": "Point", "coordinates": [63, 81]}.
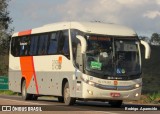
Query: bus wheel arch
{"type": "Point", "coordinates": [61, 98]}
{"type": "Point", "coordinates": [25, 95]}
{"type": "Point", "coordinates": [66, 93]}
{"type": "Point", "coordinates": [65, 80]}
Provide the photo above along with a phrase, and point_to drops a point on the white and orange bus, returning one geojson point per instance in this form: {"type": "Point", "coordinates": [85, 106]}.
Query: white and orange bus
{"type": "Point", "coordinates": [77, 61]}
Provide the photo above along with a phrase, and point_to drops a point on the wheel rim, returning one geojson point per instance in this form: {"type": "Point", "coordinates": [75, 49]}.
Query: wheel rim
{"type": "Point", "coordinates": [66, 94]}
{"type": "Point", "coordinates": [24, 91]}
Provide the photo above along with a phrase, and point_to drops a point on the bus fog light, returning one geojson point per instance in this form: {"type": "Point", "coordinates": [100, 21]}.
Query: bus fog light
{"type": "Point", "coordinates": [137, 85]}
{"type": "Point", "coordinates": [136, 95]}
{"type": "Point", "coordinates": [90, 92]}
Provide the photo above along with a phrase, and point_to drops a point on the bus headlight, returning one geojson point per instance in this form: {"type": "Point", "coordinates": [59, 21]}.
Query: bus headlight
{"type": "Point", "coordinates": [91, 83]}
{"type": "Point", "coordinates": [137, 85]}
{"type": "Point", "coordinates": [136, 95]}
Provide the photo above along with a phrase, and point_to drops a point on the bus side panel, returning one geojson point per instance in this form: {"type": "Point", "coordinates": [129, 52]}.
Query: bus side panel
{"type": "Point", "coordinates": [14, 74]}
{"type": "Point", "coordinates": [50, 83]}
{"type": "Point", "coordinates": [50, 74]}
{"type": "Point", "coordinates": [14, 80]}
{"type": "Point", "coordinates": [32, 86]}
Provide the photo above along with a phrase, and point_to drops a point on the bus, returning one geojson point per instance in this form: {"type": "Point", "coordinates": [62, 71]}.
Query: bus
{"type": "Point", "coordinates": [77, 61]}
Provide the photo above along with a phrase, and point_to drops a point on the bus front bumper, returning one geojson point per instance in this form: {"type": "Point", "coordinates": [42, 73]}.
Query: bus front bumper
{"type": "Point", "coordinates": [91, 92]}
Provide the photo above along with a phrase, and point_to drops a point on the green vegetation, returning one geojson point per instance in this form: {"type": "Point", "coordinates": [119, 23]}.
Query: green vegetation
{"type": "Point", "coordinates": [153, 98]}
{"type": "Point", "coordinates": [155, 39]}
{"type": "Point", "coordinates": [151, 71]}
{"type": "Point", "coordinates": [7, 92]}
{"type": "Point", "coordinates": [5, 33]}
{"type": "Point", "coordinates": [4, 65]}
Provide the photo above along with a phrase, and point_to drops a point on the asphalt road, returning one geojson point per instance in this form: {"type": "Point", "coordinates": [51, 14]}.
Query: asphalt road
{"type": "Point", "coordinates": [51, 104]}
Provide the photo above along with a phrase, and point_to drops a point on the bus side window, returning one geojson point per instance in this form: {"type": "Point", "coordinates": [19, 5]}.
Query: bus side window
{"type": "Point", "coordinates": [15, 46]}
{"type": "Point", "coordinates": [43, 41]}
{"type": "Point", "coordinates": [24, 46]}
{"type": "Point", "coordinates": [63, 45]}
{"type": "Point", "coordinates": [52, 49]}
{"type": "Point", "coordinates": [33, 47]}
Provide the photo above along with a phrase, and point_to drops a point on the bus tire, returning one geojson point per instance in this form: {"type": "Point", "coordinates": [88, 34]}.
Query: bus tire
{"type": "Point", "coordinates": [25, 95]}
{"type": "Point", "coordinates": [115, 103]}
{"type": "Point", "coordinates": [61, 99]}
{"type": "Point", "coordinates": [34, 97]}
{"type": "Point", "coordinates": [66, 93]}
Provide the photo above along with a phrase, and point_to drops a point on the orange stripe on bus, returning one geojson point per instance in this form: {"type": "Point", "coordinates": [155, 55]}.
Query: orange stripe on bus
{"type": "Point", "coordinates": [22, 33]}
{"type": "Point", "coordinates": [35, 77]}
{"type": "Point", "coordinates": [28, 70]}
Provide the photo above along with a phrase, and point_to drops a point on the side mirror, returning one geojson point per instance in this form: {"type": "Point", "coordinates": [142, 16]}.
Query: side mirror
{"type": "Point", "coordinates": [147, 49]}
{"type": "Point", "coordinates": [83, 43]}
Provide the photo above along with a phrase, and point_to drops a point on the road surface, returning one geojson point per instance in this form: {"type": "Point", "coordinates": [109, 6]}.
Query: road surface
{"type": "Point", "coordinates": [45, 104]}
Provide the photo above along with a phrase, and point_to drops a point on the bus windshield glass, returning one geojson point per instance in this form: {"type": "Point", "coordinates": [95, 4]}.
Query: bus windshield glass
{"type": "Point", "coordinates": [111, 56]}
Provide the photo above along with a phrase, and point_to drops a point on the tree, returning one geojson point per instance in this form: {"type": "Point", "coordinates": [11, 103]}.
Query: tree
{"type": "Point", "coordinates": [155, 39]}
{"type": "Point", "coordinates": [5, 33]}
{"type": "Point", "coordinates": [145, 38]}
{"type": "Point", "coordinates": [5, 30]}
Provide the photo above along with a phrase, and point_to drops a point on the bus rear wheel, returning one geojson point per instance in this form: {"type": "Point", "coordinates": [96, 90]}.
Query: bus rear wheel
{"type": "Point", "coordinates": [66, 92]}
{"type": "Point", "coordinates": [34, 97]}
{"type": "Point", "coordinates": [25, 95]}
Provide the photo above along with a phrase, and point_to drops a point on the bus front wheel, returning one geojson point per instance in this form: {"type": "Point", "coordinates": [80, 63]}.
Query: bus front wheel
{"type": "Point", "coordinates": [67, 99]}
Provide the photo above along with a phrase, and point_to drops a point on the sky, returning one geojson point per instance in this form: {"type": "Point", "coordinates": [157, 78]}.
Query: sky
{"type": "Point", "coordinates": [141, 15]}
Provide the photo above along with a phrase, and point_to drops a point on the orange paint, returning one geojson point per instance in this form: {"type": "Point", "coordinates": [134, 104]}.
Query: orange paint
{"type": "Point", "coordinates": [26, 69]}
{"type": "Point", "coordinates": [23, 33]}
{"type": "Point", "coordinates": [60, 59]}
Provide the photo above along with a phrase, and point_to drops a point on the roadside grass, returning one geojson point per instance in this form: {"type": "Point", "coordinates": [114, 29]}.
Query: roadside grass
{"type": "Point", "coordinates": [153, 98]}
{"type": "Point", "coordinates": [7, 92]}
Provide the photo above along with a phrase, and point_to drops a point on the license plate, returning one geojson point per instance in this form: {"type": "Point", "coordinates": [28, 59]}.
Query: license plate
{"type": "Point", "coordinates": [115, 94]}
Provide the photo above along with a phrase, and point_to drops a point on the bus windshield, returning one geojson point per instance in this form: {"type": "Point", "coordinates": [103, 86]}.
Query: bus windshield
{"type": "Point", "coordinates": [111, 56]}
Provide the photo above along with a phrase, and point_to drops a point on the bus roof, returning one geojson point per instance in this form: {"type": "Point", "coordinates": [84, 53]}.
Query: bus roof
{"type": "Point", "coordinates": [87, 27]}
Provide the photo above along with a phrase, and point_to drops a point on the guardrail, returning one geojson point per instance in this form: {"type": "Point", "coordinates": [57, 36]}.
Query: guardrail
{"type": "Point", "coordinates": [4, 83]}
